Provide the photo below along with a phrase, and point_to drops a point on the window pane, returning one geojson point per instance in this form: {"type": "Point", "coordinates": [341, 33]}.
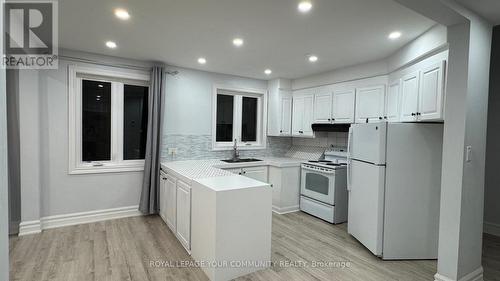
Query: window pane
{"type": "Point", "coordinates": [135, 121]}
{"type": "Point", "coordinates": [96, 120]}
{"type": "Point", "coordinates": [249, 119]}
{"type": "Point", "coordinates": [225, 105]}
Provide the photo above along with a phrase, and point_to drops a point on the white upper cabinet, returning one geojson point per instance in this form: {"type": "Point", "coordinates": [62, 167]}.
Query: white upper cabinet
{"type": "Point", "coordinates": [286, 115]}
{"type": "Point", "coordinates": [323, 107]}
{"type": "Point", "coordinates": [279, 111]}
{"type": "Point", "coordinates": [392, 102]}
{"type": "Point", "coordinates": [430, 106]}
{"type": "Point", "coordinates": [370, 104]}
{"type": "Point", "coordinates": [343, 106]}
{"type": "Point", "coordinates": [409, 93]}
{"type": "Point", "coordinates": [422, 94]}
{"type": "Point", "coordinates": [303, 115]}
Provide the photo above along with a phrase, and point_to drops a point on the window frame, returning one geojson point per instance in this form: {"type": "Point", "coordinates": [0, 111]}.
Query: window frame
{"type": "Point", "coordinates": [238, 94]}
{"type": "Point", "coordinates": [118, 79]}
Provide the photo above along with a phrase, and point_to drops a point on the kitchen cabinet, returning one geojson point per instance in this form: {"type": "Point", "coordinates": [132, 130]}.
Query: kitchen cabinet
{"type": "Point", "coordinates": [279, 111]}
{"type": "Point", "coordinates": [170, 202]}
{"type": "Point", "coordinates": [409, 92]}
{"type": "Point", "coordinates": [302, 115]}
{"type": "Point", "coordinates": [183, 229]}
{"type": "Point", "coordinates": [343, 106]}
{"type": "Point", "coordinates": [285, 183]}
{"type": "Point", "coordinates": [430, 106]}
{"type": "Point", "coordinates": [370, 104]}
{"type": "Point", "coordinates": [423, 94]}
{"type": "Point", "coordinates": [323, 107]}
{"type": "Point", "coordinates": [286, 115]}
{"type": "Point", "coordinates": [259, 173]}
{"type": "Point", "coordinates": [163, 196]}
{"type": "Point", "coordinates": [392, 104]}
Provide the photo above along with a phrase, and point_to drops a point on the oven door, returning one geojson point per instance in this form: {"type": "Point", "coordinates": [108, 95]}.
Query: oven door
{"type": "Point", "coordinates": [318, 185]}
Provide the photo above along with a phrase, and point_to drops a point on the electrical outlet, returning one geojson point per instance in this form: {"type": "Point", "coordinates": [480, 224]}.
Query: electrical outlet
{"type": "Point", "coordinates": [172, 150]}
{"type": "Point", "coordinates": [468, 153]}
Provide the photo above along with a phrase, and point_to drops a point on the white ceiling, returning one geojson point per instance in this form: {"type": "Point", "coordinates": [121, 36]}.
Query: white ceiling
{"type": "Point", "coordinates": [177, 32]}
{"type": "Point", "coordinates": [489, 9]}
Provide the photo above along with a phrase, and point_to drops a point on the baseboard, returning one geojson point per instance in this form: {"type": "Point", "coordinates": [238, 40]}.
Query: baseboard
{"type": "Point", "coordinates": [77, 218]}
{"type": "Point", "coordinates": [14, 227]}
{"type": "Point", "coordinates": [491, 228]}
{"type": "Point", "coordinates": [476, 275]}
{"type": "Point", "coordinates": [286, 210]}
{"type": "Point", "coordinates": [30, 227]}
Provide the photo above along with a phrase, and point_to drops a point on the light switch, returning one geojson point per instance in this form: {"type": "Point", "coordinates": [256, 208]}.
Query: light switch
{"type": "Point", "coordinates": [468, 153]}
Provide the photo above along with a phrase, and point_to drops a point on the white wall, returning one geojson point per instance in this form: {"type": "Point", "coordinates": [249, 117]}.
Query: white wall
{"type": "Point", "coordinates": [492, 184]}
{"type": "Point", "coordinates": [46, 187]}
{"type": "Point", "coordinates": [432, 41]}
{"type": "Point", "coordinates": [188, 104]}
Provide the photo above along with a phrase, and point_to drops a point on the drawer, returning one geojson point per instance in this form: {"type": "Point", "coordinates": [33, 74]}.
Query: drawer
{"type": "Point", "coordinates": [317, 209]}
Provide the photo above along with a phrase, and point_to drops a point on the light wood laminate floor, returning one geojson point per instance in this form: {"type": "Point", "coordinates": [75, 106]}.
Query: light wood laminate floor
{"type": "Point", "coordinates": [123, 249]}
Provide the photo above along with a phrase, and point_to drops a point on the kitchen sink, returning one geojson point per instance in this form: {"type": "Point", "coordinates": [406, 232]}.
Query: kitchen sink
{"type": "Point", "coordinates": [241, 160]}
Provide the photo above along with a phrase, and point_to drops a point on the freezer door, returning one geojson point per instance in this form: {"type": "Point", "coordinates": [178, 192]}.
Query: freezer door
{"type": "Point", "coordinates": [366, 204]}
{"type": "Point", "coordinates": [367, 142]}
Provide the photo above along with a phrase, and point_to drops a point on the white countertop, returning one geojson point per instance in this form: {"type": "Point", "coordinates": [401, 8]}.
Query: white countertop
{"type": "Point", "coordinates": [198, 169]}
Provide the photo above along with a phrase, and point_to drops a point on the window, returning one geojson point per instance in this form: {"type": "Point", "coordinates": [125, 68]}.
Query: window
{"type": "Point", "coordinates": [238, 115]}
{"type": "Point", "coordinates": [108, 121]}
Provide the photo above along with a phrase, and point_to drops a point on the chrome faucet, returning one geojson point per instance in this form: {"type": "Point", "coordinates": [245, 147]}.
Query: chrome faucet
{"type": "Point", "coordinates": [236, 154]}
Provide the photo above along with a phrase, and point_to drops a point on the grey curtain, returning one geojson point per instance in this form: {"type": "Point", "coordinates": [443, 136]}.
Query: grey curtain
{"type": "Point", "coordinates": [149, 203]}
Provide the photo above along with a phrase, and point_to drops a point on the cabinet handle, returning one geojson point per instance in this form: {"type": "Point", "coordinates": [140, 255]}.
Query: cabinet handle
{"type": "Point", "coordinates": [418, 114]}
{"type": "Point", "coordinates": [380, 118]}
{"type": "Point", "coordinates": [239, 173]}
{"type": "Point", "coordinates": [333, 119]}
{"type": "Point", "coordinates": [281, 131]}
{"type": "Point", "coordinates": [413, 114]}
{"type": "Point", "coordinates": [244, 172]}
{"type": "Point", "coordinates": [272, 185]}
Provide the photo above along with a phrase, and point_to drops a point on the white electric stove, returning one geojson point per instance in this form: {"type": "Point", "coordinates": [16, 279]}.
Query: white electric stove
{"type": "Point", "coordinates": [324, 186]}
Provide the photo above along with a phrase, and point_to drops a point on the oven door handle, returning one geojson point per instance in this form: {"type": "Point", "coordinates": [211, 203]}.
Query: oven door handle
{"type": "Point", "coordinates": [318, 171]}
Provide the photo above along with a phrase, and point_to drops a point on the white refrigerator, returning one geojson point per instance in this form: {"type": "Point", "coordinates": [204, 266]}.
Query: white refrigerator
{"type": "Point", "coordinates": [394, 185]}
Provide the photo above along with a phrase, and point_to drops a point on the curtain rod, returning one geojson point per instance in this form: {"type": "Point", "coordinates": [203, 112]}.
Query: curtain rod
{"type": "Point", "coordinates": [129, 66]}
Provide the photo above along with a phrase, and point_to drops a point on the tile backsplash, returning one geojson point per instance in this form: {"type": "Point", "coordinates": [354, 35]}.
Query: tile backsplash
{"type": "Point", "coordinates": [200, 147]}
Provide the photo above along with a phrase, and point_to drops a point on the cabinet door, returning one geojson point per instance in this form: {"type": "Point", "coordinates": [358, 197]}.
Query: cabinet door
{"type": "Point", "coordinates": [323, 108]}
{"type": "Point", "coordinates": [308, 118]}
{"type": "Point", "coordinates": [297, 115]}
{"type": "Point", "coordinates": [409, 96]}
{"type": "Point", "coordinates": [163, 196]}
{"type": "Point", "coordinates": [343, 107]}
{"type": "Point", "coordinates": [256, 173]}
{"type": "Point", "coordinates": [370, 104]}
{"type": "Point", "coordinates": [171, 202]}
{"type": "Point", "coordinates": [286, 115]}
{"type": "Point", "coordinates": [431, 92]}
{"type": "Point", "coordinates": [392, 104]}
{"type": "Point", "coordinates": [184, 214]}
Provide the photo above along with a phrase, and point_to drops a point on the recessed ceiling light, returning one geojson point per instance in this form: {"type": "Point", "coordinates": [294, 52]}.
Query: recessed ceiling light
{"type": "Point", "coordinates": [304, 6]}
{"type": "Point", "coordinates": [122, 14]}
{"type": "Point", "coordinates": [313, 58]}
{"type": "Point", "coordinates": [394, 35]}
{"type": "Point", "coordinates": [268, 71]}
{"type": "Point", "coordinates": [111, 44]}
{"type": "Point", "coordinates": [237, 42]}
{"type": "Point", "coordinates": [202, 60]}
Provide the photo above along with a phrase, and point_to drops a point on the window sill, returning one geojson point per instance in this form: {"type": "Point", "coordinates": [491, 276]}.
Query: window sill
{"type": "Point", "coordinates": [116, 168]}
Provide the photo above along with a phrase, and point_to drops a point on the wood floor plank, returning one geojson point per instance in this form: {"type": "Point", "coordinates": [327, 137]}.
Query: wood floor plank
{"type": "Point", "coordinates": [123, 249]}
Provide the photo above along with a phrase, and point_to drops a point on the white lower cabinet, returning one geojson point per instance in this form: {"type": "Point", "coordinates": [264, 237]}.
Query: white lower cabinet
{"type": "Point", "coordinates": [259, 173]}
{"type": "Point", "coordinates": [175, 207]}
{"type": "Point", "coordinates": [170, 202]}
{"type": "Point", "coordinates": [184, 214]}
{"type": "Point", "coordinates": [285, 183]}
